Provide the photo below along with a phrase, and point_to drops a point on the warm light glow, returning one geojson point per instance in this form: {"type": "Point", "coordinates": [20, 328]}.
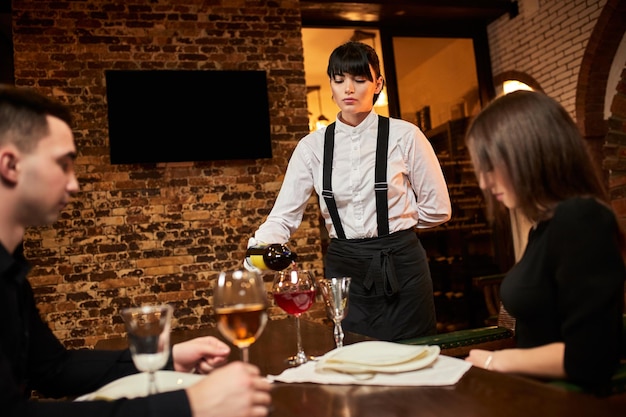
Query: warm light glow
{"type": "Point", "coordinates": [512, 85]}
{"type": "Point", "coordinates": [382, 99]}
{"type": "Point", "coordinates": [321, 122]}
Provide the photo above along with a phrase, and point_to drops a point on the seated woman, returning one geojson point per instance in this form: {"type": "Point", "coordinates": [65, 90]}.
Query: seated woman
{"type": "Point", "coordinates": [567, 290]}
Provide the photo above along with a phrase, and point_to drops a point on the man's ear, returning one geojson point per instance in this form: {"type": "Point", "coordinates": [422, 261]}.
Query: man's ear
{"type": "Point", "coordinates": [8, 164]}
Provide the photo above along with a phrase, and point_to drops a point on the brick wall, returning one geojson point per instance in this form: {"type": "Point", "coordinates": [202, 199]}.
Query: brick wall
{"type": "Point", "coordinates": [568, 47]}
{"type": "Point", "coordinates": [546, 41]}
{"type": "Point", "coordinates": [148, 233]}
{"type": "Point", "coordinates": [159, 233]}
{"type": "Point", "coordinates": [615, 160]}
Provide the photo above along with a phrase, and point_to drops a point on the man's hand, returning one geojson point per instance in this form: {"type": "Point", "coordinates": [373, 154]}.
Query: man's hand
{"type": "Point", "coordinates": [202, 354]}
{"type": "Point", "coordinates": [234, 390]}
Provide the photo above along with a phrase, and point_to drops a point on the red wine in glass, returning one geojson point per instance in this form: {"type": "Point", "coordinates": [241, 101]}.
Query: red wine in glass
{"type": "Point", "coordinates": [296, 302]}
{"type": "Point", "coordinates": [294, 292]}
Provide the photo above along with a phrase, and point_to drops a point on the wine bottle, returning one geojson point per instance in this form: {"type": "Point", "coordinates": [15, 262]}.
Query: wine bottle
{"type": "Point", "coordinates": [274, 256]}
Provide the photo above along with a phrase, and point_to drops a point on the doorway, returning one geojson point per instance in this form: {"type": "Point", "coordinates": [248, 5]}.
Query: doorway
{"type": "Point", "coordinates": [432, 82]}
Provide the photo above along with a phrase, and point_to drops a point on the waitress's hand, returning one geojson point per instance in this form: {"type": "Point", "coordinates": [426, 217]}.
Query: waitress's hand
{"type": "Point", "coordinates": [246, 262]}
{"type": "Point", "coordinates": [200, 355]}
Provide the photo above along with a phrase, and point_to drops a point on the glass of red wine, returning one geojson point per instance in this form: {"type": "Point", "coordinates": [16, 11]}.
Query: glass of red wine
{"type": "Point", "coordinates": [294, 291]}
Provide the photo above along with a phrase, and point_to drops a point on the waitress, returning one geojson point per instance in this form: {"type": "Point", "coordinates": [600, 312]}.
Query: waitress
{"type": "Point", "coordinates": [378, 180]}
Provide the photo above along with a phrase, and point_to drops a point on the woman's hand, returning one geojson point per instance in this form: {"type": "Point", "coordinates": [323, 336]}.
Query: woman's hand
{"type": "Point", "coordinates": [481, 358]}
{"type": "Point", "coordinates": [542, 361]}
{"type": "Point", "coordinates": [202, 354]}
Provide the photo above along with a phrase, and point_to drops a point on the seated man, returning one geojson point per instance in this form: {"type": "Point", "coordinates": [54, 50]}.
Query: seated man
{"type": "Point", "coordinates": [37, 179]}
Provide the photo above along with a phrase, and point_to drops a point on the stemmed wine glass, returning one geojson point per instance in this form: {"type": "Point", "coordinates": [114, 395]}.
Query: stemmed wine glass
{"type": "Point", "coordinates": [294, 292]}
{"type": "Point", "coordinates": [335, 292]}
{"type": "Point", "coordinates": [148, 330]}
{"type": "Point", "coordinates": [240, 305]}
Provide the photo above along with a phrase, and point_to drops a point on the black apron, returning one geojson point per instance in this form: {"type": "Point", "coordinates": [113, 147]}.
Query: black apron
{"type": "Point", "coordinates": [391, 292]}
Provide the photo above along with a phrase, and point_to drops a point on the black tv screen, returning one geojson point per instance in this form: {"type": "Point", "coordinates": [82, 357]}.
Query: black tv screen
{"type": "Point", "coordinates": [187, 115]}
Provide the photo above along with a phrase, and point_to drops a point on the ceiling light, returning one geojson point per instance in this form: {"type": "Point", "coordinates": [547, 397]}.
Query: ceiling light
{"type": "Point", "coordinates": [322, 120]}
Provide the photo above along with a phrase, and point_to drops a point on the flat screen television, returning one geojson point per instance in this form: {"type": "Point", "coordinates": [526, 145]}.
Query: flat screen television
{"type": "Point", "coordinates": [187, 115]}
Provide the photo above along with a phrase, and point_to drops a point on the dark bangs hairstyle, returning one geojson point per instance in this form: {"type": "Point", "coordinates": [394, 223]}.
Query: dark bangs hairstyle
{"type": "Point", "coordinates": [534, 141]}
{"type": "Point", "coordinates": [354, 58]}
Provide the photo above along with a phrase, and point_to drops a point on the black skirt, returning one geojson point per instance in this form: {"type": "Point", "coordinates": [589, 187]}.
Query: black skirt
{"type": "Point", "coordinates": [391, 292]}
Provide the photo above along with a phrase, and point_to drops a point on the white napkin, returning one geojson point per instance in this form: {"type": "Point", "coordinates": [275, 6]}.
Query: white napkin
{"type": "Point", "coordinates": [379, 363]}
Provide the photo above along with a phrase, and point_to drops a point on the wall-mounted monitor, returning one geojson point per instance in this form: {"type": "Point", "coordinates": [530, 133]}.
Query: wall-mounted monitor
{"type": "Point", "coordinates": [187, 115]}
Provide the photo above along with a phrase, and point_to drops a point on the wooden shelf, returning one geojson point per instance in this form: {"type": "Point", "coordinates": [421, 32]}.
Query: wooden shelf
{"type": "Point", "coordinates": [467, 242]}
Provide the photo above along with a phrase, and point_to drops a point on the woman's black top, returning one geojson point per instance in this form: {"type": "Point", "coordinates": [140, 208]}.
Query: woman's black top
{"type": "Point", "coordinates": [569, 287]}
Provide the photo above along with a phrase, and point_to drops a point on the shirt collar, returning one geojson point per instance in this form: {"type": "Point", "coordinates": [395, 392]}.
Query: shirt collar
{"type": "Point", "coordinates": [15, 266]}
{"type": "Point", "coordinates": [366, 124]}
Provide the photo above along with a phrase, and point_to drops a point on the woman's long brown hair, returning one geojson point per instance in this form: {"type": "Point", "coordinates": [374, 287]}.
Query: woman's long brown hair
{"type": "Point", "coordinates": [531, 138]}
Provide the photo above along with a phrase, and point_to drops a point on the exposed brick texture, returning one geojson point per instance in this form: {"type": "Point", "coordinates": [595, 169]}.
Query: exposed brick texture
{"type": "Point", "coordinates": [568, 47]}
{"type": "Point", "coordinates": [547, 41]}
{"type": "Point", "coordinates": [151, 233]}
{"type": "Point", "coordinates": [615, 150]}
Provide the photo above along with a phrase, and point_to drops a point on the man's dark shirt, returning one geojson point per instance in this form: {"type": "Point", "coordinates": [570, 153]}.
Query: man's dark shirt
{"type": "Point", "coordinates": [32, 358]}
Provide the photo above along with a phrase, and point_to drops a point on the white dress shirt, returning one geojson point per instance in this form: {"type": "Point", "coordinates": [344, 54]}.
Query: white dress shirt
{"type": "Point", "coordinates": [418, 194]}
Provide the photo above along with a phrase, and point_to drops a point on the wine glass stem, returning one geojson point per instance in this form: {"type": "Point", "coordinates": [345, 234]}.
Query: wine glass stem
{"type": "Point", "coordinates": [338, 334]}
{"type": "Point", "coordinates": [152, 387]}
{"type": "Point", "coordinates": [300, 356]}
{"type": "Point", "coordinates": [244, 355]}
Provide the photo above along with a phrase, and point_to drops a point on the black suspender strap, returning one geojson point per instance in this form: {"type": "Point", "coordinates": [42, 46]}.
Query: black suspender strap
{"type": "Point", "coordinates": [380, 178]}
{"type": "Point", "coordinates": [327, 190]}
{"type": "Point", "coordinates": [380, 184]}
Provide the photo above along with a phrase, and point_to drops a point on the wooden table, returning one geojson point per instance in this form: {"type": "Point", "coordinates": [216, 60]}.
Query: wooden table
{"type": "Point", "coordinates": [479, 393]}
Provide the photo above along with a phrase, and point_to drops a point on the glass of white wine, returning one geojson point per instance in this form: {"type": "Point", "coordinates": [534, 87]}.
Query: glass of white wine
{"type": "Point", "coordinates": [148, 329]}
{"type": "Point", "coordinates": [240, 306]}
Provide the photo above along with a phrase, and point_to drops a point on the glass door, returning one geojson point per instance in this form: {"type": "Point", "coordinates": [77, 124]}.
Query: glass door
{"type": "Point", "coordinates": [436, 79]}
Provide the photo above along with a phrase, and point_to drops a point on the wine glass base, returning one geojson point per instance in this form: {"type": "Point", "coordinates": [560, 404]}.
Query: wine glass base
{"type": "Point", "coordinates": [299, 360]}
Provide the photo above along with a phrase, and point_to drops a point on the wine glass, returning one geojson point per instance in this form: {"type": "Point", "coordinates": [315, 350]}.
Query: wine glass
{"type": "Point", "coordinates": [294, 292]}
{"type": "Point", "coordinates": [148, 329]}
{"type": "Point", "coordinates": [335, 292]}
{"type": "Point", "coordinates": [240, 305]}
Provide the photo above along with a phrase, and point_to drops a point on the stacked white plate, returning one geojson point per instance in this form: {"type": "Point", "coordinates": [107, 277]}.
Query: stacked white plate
{"type": "Point", "coordinates": [371, 357]}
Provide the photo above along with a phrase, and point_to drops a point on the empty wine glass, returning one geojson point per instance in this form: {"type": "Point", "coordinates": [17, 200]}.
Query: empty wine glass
{"type": "Point", "coordinates": [335, 292]}
{"type": "Point", "coordinates": [294, 292]}
{"type": "Point", "coordinates": [240, 306]}
{"type": "Point", "coordinates": [148, 330]}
